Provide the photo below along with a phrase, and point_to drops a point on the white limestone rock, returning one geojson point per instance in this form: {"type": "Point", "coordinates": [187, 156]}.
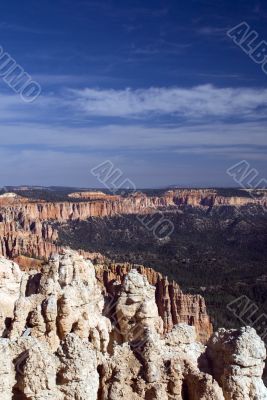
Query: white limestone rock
{"type": "Point", "coordinates": [10, 280]}
{"type": "Point", "coordinates": [237, 358]}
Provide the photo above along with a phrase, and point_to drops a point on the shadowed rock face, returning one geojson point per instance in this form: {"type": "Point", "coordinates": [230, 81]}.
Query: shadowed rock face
{"type": "Point", "coordinates": [67, 341]}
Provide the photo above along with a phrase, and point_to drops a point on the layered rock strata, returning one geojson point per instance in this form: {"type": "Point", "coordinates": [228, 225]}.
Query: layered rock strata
{"type": "Point", "coordinates": [65, 342]}
{"type": "Point", "coordinates": [26, 226]}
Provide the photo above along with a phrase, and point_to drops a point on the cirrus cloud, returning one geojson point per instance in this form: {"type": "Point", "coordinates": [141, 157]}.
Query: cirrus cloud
{"type": "Point", "coordinates": [196, 102]}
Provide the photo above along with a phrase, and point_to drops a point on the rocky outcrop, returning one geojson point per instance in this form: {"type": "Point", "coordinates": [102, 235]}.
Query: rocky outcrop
{"type": "Point", "coordinates": [77, 375]}
{"type": "Point", "coordinates": [92, 196]}
{"type": "Point", "coordinates": [174, 306]}
{"type": "Point", "coordinates": [68, 342]}
{"type": "Point", "coordinates": [65, 299]}
{"type": "Point", "coordinates": [136, 309]}
{"type": "Point", "coordinates": [237, 358]}
{"type": "Point", "coordinates": [10, 279]}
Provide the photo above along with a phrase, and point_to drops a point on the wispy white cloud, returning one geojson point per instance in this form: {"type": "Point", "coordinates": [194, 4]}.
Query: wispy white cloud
{"type": "Point", "coordinates": [135, 137]}
{"type": "Point", "coordinates": [197, 102]}
{"type": "Point", "coordinates": [198, 105]}
{"type": "Point", "coordinates": [225, 123]}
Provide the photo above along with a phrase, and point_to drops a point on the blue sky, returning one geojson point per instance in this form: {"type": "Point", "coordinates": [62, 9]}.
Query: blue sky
{"type": "Point", "coordinates": [157, 87]}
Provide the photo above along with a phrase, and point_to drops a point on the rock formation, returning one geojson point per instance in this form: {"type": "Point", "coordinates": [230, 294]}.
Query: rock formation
{"type": "Point", "coordinates": [173, 305]}
{"type": "Point", "coordinates": [64, 299]}
{"type": "Point", "coordinates": [92, 196]}
{"type": "Point", "coordinates": [67, 341]}
{"type": "Point", "coordinates": [10, 279]}
{"type": "Point", "coordinates": [237, 358]}
{"type": "Point", "coordinates": [27, 225]}
{"type": "Point", "coordinates": [136, 309]}
{"type": "Point", "coordinates": [27, 228]}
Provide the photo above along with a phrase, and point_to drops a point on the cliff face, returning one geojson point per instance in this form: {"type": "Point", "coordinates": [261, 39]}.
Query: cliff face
{"type": "Point", "coordinates": [64, 341]}
{"type": "Point", "coordinates": [26, 226]}
{"type": "Point", "coordinates": [65, 211]}
{"type": "Point", "coordinates": [13, 209]}
{"type": "Point", "coordinates": [210, 198]}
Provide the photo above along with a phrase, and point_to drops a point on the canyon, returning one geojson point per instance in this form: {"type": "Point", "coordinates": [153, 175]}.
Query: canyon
{"type": "Point", "coordinates": [26, 225]}
{"type": "Point", "coordinates": [79, 325]}
{"type": "Point", "coordinates": [31, 232]}
{"type": "Point", "coordinates": [28, 237]}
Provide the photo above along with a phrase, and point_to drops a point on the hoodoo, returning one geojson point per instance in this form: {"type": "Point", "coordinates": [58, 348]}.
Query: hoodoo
{"type": "Point", "coordinates": [68, 335]}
